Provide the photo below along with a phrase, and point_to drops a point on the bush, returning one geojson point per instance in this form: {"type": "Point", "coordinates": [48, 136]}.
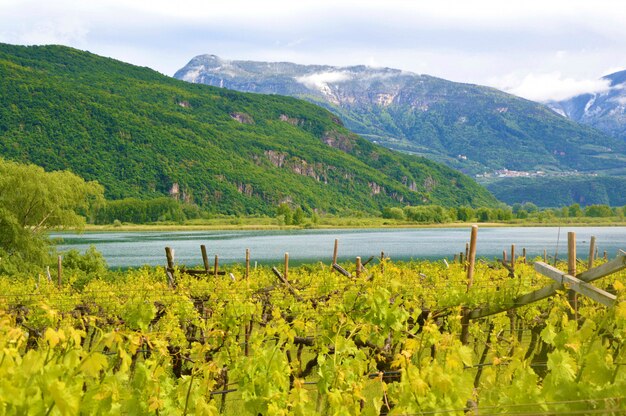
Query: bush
{"type": "Point", "coordinates": [426, 213]}
{"type": "Point", "coordinates": [393, 213]}
{"type": "Point", "coordinates": [598, 211]}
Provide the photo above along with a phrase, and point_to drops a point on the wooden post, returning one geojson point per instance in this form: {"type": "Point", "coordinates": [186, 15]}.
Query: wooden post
{"type": "Point", "coordinates": [503, 256]}
{"type": "Point", "coordinates": [205, 258]}
{"type": "Point", "coordinates": [524, 254]}
{"type": "Point", "coordinates": [461, 260]}
{"type": "Point", "coordinates": [358, 267]}
{"type": "Point", "coordinates": [215, 266]}
{"type": "Point", "coordinates": [382, 262]}
{"type": "Point", "coordinates": [605, 256]}
{"type": "Point", "coordinates": [335, 250]}
{"type": "Point", "coordinates": [465, 320]}
{"type": "Point", "coordinates": [592, 250]}
{"type": "Point", "coordinates": [512, 258]}
{"type": "Point", "coordinates": [467, 250]}
{"type": "Point", "coordinates": [60, 270]}
{"type": "Point", "coordinates": [247, 263]}
{"type": "Point", "coordinates": [472, 257]}
{"type": "Point", "coordinates": [571, 268]}
{"type": "Point", "coordinates": [571, 253]}
{"type": "Point", "coordinates": [545, 255]}
{"type": "Point", "coordinates": [169, 254]}
{"type": "Point", "coordinates": [286, 266]}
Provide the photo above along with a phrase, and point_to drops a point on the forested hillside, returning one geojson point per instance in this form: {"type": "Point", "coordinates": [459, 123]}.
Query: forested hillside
{"type": "Point", "coordinates": [142, 134]}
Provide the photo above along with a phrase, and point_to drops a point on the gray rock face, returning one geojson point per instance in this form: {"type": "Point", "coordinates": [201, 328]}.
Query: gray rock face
{"type": "Point", "coordinates": [472, 128]}
{"type": "Point", "coordinates": [605, 111]}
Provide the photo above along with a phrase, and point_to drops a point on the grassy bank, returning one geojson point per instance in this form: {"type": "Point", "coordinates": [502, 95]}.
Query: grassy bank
{"type": "Point", "coordinates": [266, 223]}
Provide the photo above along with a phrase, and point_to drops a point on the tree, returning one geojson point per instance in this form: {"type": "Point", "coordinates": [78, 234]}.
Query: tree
{"type": "Point", "coordinates": [33, 201]}
{"type": "Point", "coordinates": [575, 210]}
{"type": "Point", "coordinates": [599, 210]}
{"type": "Point", "coordinates": [298, 216]}
{"type": "Point", "coordinates": [283, 211]}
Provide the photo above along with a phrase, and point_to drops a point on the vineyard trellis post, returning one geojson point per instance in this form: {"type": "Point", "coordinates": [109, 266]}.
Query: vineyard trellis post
{"type": "Point", "coordinates": [472, 256]}
{"type": "Point", "coordinates": [571, 269]}
{"type": "Point", "coordinates": [60, 271]}
{"type": "Point", "coordinates": [592, 251]}
{"type": "Point", "coordinates": [205, 258]}
{"type": "Point", "coordinates": [247, 263]}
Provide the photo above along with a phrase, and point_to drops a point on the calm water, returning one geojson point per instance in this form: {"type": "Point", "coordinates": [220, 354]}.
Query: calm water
{"type": "Point", "coordinates": [134, 249]}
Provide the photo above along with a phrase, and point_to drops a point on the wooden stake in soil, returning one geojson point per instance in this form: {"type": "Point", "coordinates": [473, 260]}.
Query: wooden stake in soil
{"type": "Point", "coordinates": [358, 267]}
{"type": "Point", "coordinates": [247, 263]}
{"type": "Point", "coordinates": [545, 255]}
{"type": "Point", "coordinates": [335, 251]}
{"type": "Point", "coordinates": [215, 266]}
{"type": "Point", "coordinates": [513, 258]}
{"type": "Point", "coordinates": [503, 256]}
{"type": "Point", "coordinates": [524, 254]}
{"type": "Point", "coordinates": [382, 262]}
{"type": "Point", "coordinates": [592, 250]}
{"type": "Point", "coordinates": [472, 256]}
{"type": "Point", "coordinates": [169, 255]}
{"type": "Point", "coordinates": [571, 268]}
{"type": "Point", "coordinates": [286, 266]}
{"type": "Point", "coordinates": [205, 258]}
{"type": "Point", "coordinates": [60, 270]}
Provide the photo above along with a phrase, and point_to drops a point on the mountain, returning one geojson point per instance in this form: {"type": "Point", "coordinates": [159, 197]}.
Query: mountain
{"type": "Point", "coordinates": [142, 134]}
{"type": "Point", "coordinates": [557, 191]}
{"type": "Point", "coordinates": [469, 127]}
{"type": "Point", "coordinates": [605, 111]}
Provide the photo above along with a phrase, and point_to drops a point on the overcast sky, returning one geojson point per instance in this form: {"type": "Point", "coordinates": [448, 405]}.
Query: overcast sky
{"type": "Point", "coordinates": [539, 49]}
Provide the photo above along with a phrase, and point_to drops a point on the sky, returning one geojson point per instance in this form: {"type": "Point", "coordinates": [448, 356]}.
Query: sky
{"type": "Point", "coordinates": [538, 49]}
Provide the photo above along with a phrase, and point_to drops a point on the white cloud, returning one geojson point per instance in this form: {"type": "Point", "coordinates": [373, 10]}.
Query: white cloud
{"type": "Point", "coordinates": [478, 41]}
{"type": "Point", "coordinates": [320, 80]}
{"type": "Point", "coordinates": [554, 86]}
{"type": "Point", "coordinates": [60, 31]}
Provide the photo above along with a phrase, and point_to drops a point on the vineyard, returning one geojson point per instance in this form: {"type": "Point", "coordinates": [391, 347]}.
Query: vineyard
{"type": "Point", "coordinates": [412, 338]}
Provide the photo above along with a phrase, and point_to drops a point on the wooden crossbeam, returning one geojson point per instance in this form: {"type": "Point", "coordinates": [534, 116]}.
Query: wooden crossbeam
{"type": "Point", "coordinates": [613, 266]}
{"type": "Point", "coordinates": [575, 284]}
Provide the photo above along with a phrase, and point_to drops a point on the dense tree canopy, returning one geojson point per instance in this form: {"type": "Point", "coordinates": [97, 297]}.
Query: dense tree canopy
{"type": "Point", "coordinates": [33, 201]}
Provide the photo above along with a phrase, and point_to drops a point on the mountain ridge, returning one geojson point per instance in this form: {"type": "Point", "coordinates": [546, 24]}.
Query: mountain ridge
{"type": "Point", "coordinates": [604, 110]}
{"type": "Point", "coordinates": [469, 127]}
{"type": "Point", "coordinates": [143, 134]}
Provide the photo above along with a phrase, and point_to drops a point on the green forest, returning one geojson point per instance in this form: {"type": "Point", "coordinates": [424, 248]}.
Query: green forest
{"type": "Point", "coordinates": [144, 135]}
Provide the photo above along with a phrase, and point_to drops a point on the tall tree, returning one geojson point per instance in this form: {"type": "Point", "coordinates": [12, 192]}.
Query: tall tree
{"type": "Point", "coordinates": [31, 202]}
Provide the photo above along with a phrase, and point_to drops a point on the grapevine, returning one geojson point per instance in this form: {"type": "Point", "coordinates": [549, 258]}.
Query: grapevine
{"type": "Point", "coordinates": [321, 342]}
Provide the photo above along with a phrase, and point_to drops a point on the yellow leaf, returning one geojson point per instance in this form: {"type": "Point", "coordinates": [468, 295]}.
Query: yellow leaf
{"type": "Point", "coordinates": [620, 311]}
{"type": "Point", "coordinates": [154, 403]}
{"type": "Point", "coordinates": [64, 399]}
{"type": "Point", "coordinates": [52, 337]}
{"type": "Point", "coordinates": [93, 364]}
{"type": "Point", "coordinates": [619, 286]}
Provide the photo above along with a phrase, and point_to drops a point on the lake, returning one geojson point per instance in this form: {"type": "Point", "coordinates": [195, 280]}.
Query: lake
{"type": "Point", "coordinates": [134, 249]}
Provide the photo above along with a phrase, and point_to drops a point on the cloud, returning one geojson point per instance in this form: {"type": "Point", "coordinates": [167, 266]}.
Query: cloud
{"type": "Point", "coordinates": [554, 86]}
{"type": "Point", "coordinates": [320, 80]}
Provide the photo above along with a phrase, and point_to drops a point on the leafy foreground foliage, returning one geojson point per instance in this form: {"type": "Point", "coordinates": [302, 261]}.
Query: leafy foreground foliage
{"type": "Point", "coordinates": [144, 135]}
{"type": "Point", "coordinates": [31, 202]}
{"type": "Point", "coordinates": [385, 342]}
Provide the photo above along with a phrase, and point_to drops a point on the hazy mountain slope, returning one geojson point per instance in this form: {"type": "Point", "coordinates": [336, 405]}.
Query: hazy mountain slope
{"type": "Point", "coordinates": [469, 127]}
{"type": "Point", "coordinates": [561, 191]}
{"type": "Point", "coordinates": [605, 111]}
{"type": "Point", "coordinates": [143, 134]}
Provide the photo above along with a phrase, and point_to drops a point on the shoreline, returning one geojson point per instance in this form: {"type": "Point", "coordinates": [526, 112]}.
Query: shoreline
{"type": "Point", "coordinates": [348, 224]}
